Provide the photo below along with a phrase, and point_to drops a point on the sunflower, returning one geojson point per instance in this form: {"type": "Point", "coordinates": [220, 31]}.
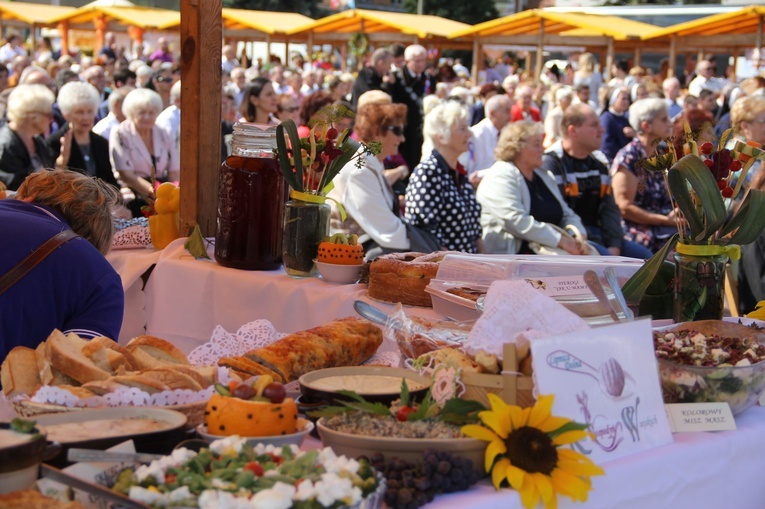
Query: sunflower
{"type": "Point", "coordinates": [524, 450]}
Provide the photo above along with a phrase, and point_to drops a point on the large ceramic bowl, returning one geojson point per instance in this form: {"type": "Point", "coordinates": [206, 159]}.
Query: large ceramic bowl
{"type": "Point", "coordinates": [739, 386]}
{"type": "Point", "coordinates": [20, 457]}
{"type": "Point", "coordinates": [410, 449]}
{"type": "Point", "coordinates": [376, 384]}
{"type": "Point", "coordinates": [304, 428]}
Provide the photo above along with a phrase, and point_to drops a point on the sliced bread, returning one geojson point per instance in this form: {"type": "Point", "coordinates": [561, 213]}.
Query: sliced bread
{"type": "Point", "coordinates": [173, 379]}
{"type": "Point", "coordinates": [204, 375]}
{"type": "Point", "coordinates": [247, 367]}
{"type": "Point", "coordinates": [145, 383]}
{"type": "Point", "coordinates": [151, 352]}
{"type": "Point", "coordinates": [109, 355]}
{"type": "Point", "coordinates": [19, 374]}
{"type": "Point", "coordinates": [48, 374]}
{"type": "Point", "coordinates": [65, 354]}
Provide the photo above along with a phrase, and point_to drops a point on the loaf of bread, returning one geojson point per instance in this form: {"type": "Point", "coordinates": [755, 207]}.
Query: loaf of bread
{"type": "Point", "coordinates": [345, 342]}
{"type": "Point", "coordinates": [402, 277]}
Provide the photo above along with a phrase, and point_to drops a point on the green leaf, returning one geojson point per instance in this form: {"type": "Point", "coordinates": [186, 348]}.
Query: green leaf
{"type": "Point", "coordinates": [328, 411]}
{"type": "Point", "coordinates": [404, 393]}
{"type": "Point", "coordinates": [363, 405]}
{"type": "Point", "coordinates": [295, 180]}
{"type": "Point", "coordinates": [22, 425]}
{"type": "Point", "coordinates": [636, 286]}
{"type": "Point", "coordinates": [423, 409]}
{"type": "Point", "coordinates": [349, 148]}
{"type": "Point", "coordinates": [195, 244]}
{"type": "Point", "coordinates": [690, 169]}
{"type": "Point", "coordinates": [461, 411]}
{"type": "Point", "coordinates": [749, 220]}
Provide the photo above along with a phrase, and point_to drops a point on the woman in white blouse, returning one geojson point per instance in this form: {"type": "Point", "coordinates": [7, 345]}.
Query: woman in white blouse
{"type": "Point", "coordinates": [139, 149]}
{"type": "Point", "coordinates": [369, 200]}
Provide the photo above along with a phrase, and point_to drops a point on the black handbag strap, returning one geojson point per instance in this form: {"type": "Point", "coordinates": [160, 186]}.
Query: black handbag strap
{"type": "Point", "coordinates": [35, 257]}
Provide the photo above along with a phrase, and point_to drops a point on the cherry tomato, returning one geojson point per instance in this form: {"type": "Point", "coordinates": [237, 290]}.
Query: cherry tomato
{"type": "Point", "coordinates": [722, 184]}
{"type": "Point", "coordinates": [735, 165]}
{"type": "Point", "coordinates": [707, 148]}
{"type": "Point", "coordinates": [255, 468]}
{"type": "Point", "coordinates": [331, 133]}
{"type": "Point", "coordinates": [403, 413]}
{"type": "Point", "coordinates": [727, 192]}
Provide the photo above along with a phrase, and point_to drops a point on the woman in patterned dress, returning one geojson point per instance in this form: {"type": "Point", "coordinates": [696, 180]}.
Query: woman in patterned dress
{"type": "Point", "coordinates": [439, 197]}
{"type": "Point", "coordinates": [641, 195]}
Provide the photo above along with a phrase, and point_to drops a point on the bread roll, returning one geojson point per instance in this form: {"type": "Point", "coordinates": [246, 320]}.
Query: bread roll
{"type": "Point", "coordinates": [19, 374]}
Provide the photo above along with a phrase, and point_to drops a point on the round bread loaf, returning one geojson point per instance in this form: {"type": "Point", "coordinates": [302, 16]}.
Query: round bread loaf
{"type": "Point", "coordinates": [402, 277]}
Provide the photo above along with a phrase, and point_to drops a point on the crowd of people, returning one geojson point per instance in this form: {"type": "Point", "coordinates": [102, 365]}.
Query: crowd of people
{"type": "Point", "coordinates": [500, 166]}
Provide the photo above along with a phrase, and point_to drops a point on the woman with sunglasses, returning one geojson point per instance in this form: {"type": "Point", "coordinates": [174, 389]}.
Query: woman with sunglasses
{"type": "Point", "coordinates": [288, 108]}
{"type": "Point", "coordinates": [259, 102]}
{"type": "Point", "coordinates": [161, 82]}
{"type": "Point", "coordinates": [140, 149]}
{"type": "Point", "coordinates": [372, 206]}
{"type": "Point", "coordinates": [22, 147]}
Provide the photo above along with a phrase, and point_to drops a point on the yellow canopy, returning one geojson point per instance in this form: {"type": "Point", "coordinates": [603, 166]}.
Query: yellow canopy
{"type": "Point", "coordinates": [263, 21]}
{"type": "Point", "coordinates": [528, 23]}
{"type": "Point", "coordinates": [743, 21]}
{"type": "Point", "coordinates": [32, 14]}
{"type": "Point", "coordinates": [371, 22]}
{"type": "Point", "coordinates": [148, 18]}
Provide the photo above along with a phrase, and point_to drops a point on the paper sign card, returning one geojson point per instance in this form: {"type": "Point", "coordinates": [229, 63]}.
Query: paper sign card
{"type": "Point", "coordinates": [560, 286]}
{"type": "Point", "coordinates": [608, 378]}
{"type": "Point", "coordinates": [700, 417]}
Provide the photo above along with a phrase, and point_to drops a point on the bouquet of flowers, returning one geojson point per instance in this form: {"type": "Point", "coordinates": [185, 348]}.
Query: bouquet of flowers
{"type": "Point", "coordinates": [310, 164]}
{"type": "Point", "coordinates": [700, 183]}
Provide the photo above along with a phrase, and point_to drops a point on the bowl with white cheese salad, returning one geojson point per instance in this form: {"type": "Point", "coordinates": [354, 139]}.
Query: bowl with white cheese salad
{"type": "Point", "coordinates": [711, 361]}
{"type": "Point", "coordinates": [232, 473]}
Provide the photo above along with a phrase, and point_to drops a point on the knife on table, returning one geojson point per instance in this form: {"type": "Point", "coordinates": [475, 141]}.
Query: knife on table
{"type": "Point", "coordinates": [75, 454]}
{"type": "Point", "coordinates": [57, 475]}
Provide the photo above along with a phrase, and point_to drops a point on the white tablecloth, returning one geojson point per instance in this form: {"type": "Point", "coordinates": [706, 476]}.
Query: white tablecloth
{"type": "Point", "coordinates": [700, 471]}
{"type": "Point", "coordinates": [131, 264]}
{"type": "Point", "coordinates": [187, 298]}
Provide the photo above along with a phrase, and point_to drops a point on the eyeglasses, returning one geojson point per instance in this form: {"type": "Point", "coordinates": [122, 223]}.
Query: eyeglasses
{"type": "Point", "coordinates": [291, 109]}
{"type": "Point", "coordinates": [164, 79]}
{"type": "Point", "coordinates": [396, 129]}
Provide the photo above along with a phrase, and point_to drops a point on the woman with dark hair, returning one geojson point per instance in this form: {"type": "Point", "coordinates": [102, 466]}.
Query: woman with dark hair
{"type": "Point", "coordinates": [259, 102]}
{"type": "Point", "coordinates": [617, 131]}
{"type": "Point", "coordinates": [161, 82]}
{"type": "Point", "coordinates": [308, 109]}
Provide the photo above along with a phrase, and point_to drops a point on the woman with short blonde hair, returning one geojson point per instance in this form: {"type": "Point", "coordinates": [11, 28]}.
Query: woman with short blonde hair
{"type": "Point", "coordinates": [22, 147]}
{"type": "Point", "coordinates": [520, 202]}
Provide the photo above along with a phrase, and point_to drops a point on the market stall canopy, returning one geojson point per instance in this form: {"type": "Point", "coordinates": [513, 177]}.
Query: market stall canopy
{"type": "Point", "coordinates": [382, 26]}
{"type": "Point", "coordinates": [119, 14]}
{"type": "Point", "coordinates": [725, 30]}
{"type": "Point", "coordinates": [31, 14]}
{"type": "Point", "coordinates": [245, 23]}
{"type": "Point", "coordinates": [558, 28]}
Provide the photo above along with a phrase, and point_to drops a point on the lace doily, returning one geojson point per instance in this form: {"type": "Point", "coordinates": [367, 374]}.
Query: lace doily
{"type": "Point", "coordinates": [129, 396]}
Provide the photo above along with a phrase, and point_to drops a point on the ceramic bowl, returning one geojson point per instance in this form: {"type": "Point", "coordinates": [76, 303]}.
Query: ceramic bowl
{"type": "Point", "coordinates": [304, 428]}
{"type": "Point", "coordinates": [411, 449]}
{"type": "Point", "coordinates": [375, 384]}
{"type": "Point", "coordinates": [20, 457]}
{"type": "Point", "coordinates": [340, 274]}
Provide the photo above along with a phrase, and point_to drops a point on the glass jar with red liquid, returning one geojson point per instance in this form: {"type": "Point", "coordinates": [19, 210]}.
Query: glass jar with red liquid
{"type": "Point", "coordinates": [251, 198]}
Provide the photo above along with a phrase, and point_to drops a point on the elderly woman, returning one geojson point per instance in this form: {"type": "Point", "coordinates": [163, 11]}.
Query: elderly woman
{"type": "Point", "coordinates": [75, 289]}
{"type": "Point", "coordinates": [22, 148]}
{"type": "Point", "coordinates": [520, 201]}
{"type": "Point", "coordinates": [439, 197]}
{"type": "Point", "coordinates": [562, 98]}
{"type": "Point", "coordinates": [140, 150]}
{"type": "Point", "coordinates": [617, 131]}
{"type": "Point", "coordinates": [372, 207]}
{"type": "Point", "coordinates": [259, 103]}
{"type": "Point", "coordinates": [79, 148]}
{"type": "Point", "coordinates": [641, 195]}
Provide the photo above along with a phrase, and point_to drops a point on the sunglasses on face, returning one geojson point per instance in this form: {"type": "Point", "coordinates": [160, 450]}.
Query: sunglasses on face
{"type": "Point", "coordinates": [164, 79]}
{"type": "Point", "coordinates": [396, 129]}
{"type": "Point", "coordinates": [292, 109]}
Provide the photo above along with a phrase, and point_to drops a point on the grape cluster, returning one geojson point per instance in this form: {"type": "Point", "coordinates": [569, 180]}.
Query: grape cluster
{"type": "Point", "coordinates": [414, 484]}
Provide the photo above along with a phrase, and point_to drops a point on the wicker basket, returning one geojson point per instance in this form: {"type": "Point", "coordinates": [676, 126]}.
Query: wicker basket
{"type": "Point", "coordinates": [194, 412]}
{"type": "Point", "coordinates": [510, 385]}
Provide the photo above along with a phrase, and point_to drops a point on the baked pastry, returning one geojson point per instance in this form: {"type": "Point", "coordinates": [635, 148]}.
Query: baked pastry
{"type": "Point", "coordinates": [19, 374]}
{"type": "Point", "coordinates": [402, 277]}
{"type": "Point", "coordinates": [33, 499]}
{"type": "Point", "coordinates": [345, 342]}
{"type": "Point", "coordinates": [467, 293]}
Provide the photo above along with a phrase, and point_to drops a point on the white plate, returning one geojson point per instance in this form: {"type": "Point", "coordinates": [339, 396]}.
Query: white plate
{"type": "Point", "coordinates": [304, 427]}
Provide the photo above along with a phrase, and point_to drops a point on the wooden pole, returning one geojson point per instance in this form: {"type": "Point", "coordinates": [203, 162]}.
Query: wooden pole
{"type": "Point", "coordinates": [540, 50]}
{"type": "Point", "coordinates": [287, 52]}
{"type": "Point", "coordinates": [477, 57]}
{"type": "Point", "coordinates": [201, 44]}
{"type": "Point", "coordinates": [268, 49]}
{"type": "Point", "coordinates": [609, 58]}
{"type": "Point", "coordinates": [672, 57]}
{"type": "Point", "coordinates": [638, 55]}
{"type": "Point", "coordinates": [759, 44]}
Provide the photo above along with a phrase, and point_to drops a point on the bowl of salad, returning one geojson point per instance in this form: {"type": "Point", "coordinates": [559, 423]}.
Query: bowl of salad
{"type": "Point", "coordinates": [711, 361]}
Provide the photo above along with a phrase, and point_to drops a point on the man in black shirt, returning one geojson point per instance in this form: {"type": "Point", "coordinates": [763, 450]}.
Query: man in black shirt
{"type": "Point", "coordinates": [581, 172]}
{"type": "Point", "coordinates": [371, 77]}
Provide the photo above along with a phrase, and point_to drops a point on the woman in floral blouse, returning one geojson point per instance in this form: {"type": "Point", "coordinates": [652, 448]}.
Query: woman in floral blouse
{"type": "Point", "coordinates": [641, 195]}
{"type": "Point", "coordinates": [439, 197]}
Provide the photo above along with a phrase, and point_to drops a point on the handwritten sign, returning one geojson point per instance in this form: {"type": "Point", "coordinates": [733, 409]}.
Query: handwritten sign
{"type": "Point", "coordinates": [608, 378]}
{"type": "Point", "coordinates": [700, 417]}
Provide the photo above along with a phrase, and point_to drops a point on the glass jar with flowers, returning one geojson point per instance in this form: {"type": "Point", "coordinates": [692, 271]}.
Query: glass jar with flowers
{"type": "Point", "coordinates": [705, 186]}
{"type": "Point", "coordinates": [309, 165]}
